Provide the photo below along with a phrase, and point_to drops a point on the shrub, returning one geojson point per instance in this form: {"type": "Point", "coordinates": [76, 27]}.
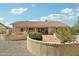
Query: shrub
{"type": "Point", "coordinates": [35, 36]}
{"type": "Point", "coordinates": [65, 34]}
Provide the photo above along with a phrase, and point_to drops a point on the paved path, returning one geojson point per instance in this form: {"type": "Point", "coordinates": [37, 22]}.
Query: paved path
{"type": "Point", "coordinates": [14, 48]}
{"type": "Point", "coordinates": [51, 39]}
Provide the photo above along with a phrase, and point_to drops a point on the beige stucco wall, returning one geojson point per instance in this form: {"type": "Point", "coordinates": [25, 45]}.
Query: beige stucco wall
{"type": "Point", "coordinates": [46, 49]}
{"type": "Point", "coordinates": [51, 30]}
{"type": "Point", "coordinates": [16, 30]}
{"type": "Point", "coordinates": [2, 29]}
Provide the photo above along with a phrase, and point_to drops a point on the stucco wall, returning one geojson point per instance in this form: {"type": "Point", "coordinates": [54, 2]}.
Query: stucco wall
{"type": "Point", "coordinates": [45, 49]}
{"type": "Point", "coordinates": [2, 29]}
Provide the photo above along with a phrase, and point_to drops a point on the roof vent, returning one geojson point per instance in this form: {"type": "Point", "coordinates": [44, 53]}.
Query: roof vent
{"type": "Point", "coordinates": [46, 20]}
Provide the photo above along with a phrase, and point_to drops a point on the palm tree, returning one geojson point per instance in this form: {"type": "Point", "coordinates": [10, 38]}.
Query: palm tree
{"type": "Point", "coordinates": [76, 27]}
{"type": "Point", "coordinates": [65, 34]}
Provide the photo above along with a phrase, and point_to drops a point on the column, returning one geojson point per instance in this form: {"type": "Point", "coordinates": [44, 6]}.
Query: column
{"type": "Point", "coordinates": [7, 31]}
{"type": "Point", "coordinates": [35, 29]}
{"type": "Point", "coordinates": [49, 30]}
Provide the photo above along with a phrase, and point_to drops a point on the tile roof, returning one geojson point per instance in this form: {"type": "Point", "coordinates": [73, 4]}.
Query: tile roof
{"type": "Point", "coordinates": [4, 25]}
{"type": "Point", "coordinates": [38, 24]}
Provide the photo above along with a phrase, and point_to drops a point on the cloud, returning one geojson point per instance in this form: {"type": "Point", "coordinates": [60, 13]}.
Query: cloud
{"type": "Point", "coordinates": [33, 20]}
{"type": "Point", "coordinates": [70, 14]}
{"type": "Point", "coordinates": [44, 18]}
{"type": "Point", "coordinates": [77, 11]}
{"type": "Point", "coordinates": [52, 17]}
{"type": "Point", "coordinates": [55, 17]}
{"type": "Point", "coordinates": [72, 17]}
{"type": "Point", "coordinates": [1, 18]}
{"type": "Point", "coordinates": [66, 10]}
{"type": "Point", "coordinates": [33, 5]}
{"type": "Point", "coordinates": [58, 17]}
{"type": "Point", "coordinates": [18, 10]}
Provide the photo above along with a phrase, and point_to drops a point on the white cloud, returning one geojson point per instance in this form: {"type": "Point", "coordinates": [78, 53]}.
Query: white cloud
{"type": "Point", "coordinates": [33, 5]}
{"type": "Point", "coordinates": [44, 18]}
{"type": "Point", "coordinates": [53, 16]}
{"type": "Point", "coordinates": [33, 20]}
{"type": "Point", "coordinates": [8, 24]}
{"type": "Point", "coordinates": [72, 17]}
{"type": "Point", "coordinates": [58, 17]}
{"type": "Point", "coordinates": [77, 11]}
{"type": "Point", "coordinates": [18, 10]}
{"type": "Point", "coordinates": [70, 14]}
{"type": "Point", "coordinates": [67, 10]}
{"type": "Point", "coordinates": [1, 18]}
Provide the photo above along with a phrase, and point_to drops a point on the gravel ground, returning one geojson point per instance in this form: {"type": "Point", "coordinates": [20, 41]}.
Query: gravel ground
{"type": "Point", "coordinates": [14, 48]}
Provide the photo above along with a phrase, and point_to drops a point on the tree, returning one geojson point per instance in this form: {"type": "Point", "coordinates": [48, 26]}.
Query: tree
{"type": "Point", "coordinates": [64, 34]}
{"type": "Point", "coordinates": [76, 27]}
{"type": "Point", "coordinates": [73, 30]}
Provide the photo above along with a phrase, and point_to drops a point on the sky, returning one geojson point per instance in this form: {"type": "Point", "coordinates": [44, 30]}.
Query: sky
{"type": "Point", "coordinates": [67, 13]}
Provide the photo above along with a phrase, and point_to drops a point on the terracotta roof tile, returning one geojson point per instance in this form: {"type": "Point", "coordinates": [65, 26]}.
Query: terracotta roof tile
{"type": "Point", "coordinates": [37, 24]}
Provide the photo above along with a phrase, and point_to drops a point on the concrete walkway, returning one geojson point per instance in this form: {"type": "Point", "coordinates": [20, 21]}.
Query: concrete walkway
{"type": "Point", "coordinates": [14, 48]}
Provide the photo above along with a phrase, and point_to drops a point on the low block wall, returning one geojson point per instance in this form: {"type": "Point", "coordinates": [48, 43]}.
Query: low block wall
{"type": "Point", "coordinates": [40, 48]}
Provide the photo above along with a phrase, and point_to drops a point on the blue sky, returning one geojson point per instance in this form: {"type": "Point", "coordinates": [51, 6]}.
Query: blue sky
{"type": "Point", "coordinates": [64, 12]}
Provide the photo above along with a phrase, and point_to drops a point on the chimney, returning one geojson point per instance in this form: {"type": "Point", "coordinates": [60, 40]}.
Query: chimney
{"type": "Point", "coordinates": [46, 20]}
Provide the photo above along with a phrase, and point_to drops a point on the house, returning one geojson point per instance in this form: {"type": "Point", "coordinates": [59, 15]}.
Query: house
{"type": "Point", "coordinates": [3, 29]}
{"type": "Point", "coordinates": [44, 27]}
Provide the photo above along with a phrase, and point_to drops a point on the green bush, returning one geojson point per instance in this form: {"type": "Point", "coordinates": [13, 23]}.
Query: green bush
{"type": "Point", "coordinates": [35, 36]}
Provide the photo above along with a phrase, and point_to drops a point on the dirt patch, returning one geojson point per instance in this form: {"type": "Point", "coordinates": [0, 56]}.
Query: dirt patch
{"type": "Point", "coordinates": [17, 36]}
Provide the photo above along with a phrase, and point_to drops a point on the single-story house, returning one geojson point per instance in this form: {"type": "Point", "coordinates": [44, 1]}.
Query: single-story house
{"type": "Point", "coordinates": [3, 29]}
{"type": "Point", "coordinates": [44, 27]}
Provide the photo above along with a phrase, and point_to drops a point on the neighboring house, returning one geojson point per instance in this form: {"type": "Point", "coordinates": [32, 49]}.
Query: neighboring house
{"type": "Point", "coordinates": [3, 29]}
{"type": "Point", "coordinates": [44, 27]}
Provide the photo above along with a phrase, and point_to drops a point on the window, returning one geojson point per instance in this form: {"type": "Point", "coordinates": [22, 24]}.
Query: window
{"type": "Point", "coordinates": [22, 29]}
{"type": "Point", "coordinates": [31, 29]}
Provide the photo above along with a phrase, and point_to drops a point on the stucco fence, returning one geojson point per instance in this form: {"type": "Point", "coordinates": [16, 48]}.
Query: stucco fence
{"type": "Point", "coordinates": [40, 48]}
